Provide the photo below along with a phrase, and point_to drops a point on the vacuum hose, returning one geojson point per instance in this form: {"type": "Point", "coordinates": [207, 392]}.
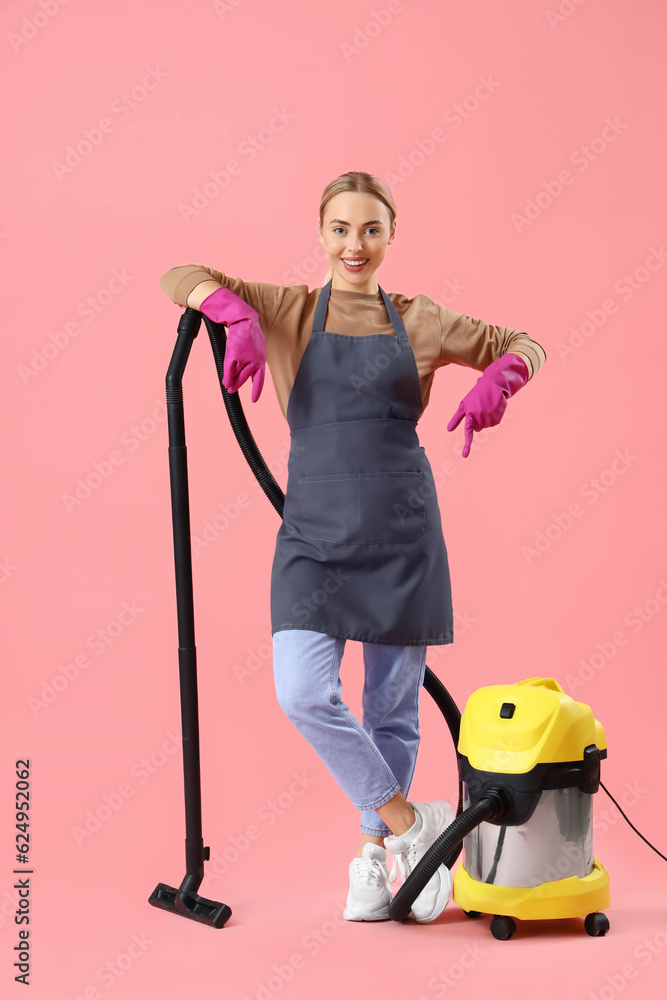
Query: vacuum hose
{"type": "Point", "coordinates": [243, 434]}
{"type": "Point", "coordinates": [489, 807]}
{"type": "Point", "coordinates": [443, 699]}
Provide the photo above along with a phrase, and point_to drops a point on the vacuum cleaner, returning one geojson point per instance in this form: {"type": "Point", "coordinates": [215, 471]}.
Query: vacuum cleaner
{"type": "Point", "coordinates": [529, 760]}
{"type": "Point", "coordinates": [528, 755]}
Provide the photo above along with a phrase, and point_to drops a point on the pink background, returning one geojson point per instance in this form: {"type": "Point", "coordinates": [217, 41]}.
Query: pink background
{"type": "Point", "coordinates": [364, 86]}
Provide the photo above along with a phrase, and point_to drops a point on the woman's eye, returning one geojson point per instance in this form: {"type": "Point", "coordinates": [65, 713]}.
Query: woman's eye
{"type": "Point", "coordinates": [338, 229]}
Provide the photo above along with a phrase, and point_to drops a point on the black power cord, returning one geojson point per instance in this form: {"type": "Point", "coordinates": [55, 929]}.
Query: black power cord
{"type": "Point", "coordinates": [632, 824]}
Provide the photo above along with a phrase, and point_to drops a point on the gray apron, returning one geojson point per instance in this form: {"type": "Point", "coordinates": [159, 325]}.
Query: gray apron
{"type": "Point", "coordinates": [360, 552]}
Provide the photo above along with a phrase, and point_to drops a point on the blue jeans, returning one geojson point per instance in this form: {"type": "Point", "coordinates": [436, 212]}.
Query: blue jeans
{"type": "Point", "coordinates": [372, 760]}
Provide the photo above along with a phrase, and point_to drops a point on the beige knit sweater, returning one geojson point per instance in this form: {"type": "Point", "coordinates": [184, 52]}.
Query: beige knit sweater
{"type": "Point", "coordinates": [438, 335]}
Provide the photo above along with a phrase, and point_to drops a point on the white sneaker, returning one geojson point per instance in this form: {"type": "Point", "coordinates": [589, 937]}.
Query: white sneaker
{"type": "Point", "coordinates": [370, 893]}
{"type": "Point", "coordinates": [432, 818]}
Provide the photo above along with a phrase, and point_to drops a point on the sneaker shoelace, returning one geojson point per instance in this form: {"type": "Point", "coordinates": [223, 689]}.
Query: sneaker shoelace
{"type": "Point", "coordinates": [405, 861]}
{"type": "Point", "coordinates": [394, 868]}
{"type": "Point", "coordinates": [369, 873]}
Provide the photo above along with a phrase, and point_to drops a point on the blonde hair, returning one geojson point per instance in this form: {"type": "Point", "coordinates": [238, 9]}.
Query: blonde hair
{"type": "Point", "coordinates": [357, 180]}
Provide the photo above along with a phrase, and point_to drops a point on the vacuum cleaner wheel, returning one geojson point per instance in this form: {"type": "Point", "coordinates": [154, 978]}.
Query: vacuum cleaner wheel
{"type": "Point", "coordinates": [596, 924]}
{"type": "Point", "coordinates": [502, 928]}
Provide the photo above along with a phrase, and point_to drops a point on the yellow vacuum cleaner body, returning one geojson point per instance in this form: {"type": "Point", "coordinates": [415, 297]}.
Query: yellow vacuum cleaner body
{"type": "Point", "coordinates": [542, 750]}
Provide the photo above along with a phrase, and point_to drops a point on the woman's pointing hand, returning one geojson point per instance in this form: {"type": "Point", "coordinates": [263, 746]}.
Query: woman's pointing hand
{"type": "Point", "coordinates": [485, 404]}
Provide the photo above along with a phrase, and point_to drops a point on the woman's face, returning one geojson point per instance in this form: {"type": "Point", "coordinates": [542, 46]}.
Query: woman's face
{"type": "Point", "coordinates": [356, 226]}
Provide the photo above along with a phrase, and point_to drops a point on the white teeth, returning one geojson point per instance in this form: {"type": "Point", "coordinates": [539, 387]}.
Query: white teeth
{"type": "Point", "coordinates": [355, 263]}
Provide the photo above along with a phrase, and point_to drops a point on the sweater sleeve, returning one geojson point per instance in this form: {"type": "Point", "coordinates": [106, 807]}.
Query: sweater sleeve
{"type": "Point", "coordinates": [475, 343]}
{"type": "Point", "coordinates": [265, 299]}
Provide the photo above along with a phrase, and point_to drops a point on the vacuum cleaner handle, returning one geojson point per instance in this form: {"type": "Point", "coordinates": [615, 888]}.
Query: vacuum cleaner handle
{"type": "Point", "coordinates": [185, 900]}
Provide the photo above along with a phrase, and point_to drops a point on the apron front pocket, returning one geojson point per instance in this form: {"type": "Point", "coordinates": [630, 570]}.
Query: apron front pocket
{"type": "Point", "coordinates": [363, 508]}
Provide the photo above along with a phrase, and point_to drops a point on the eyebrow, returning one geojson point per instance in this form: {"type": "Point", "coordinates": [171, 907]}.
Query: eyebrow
{"type": "Point", "coordinates": [372, 222]}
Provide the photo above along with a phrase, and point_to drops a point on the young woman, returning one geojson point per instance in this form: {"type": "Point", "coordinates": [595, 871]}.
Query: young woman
{"type": "Point", "coordinates": [360, 553]}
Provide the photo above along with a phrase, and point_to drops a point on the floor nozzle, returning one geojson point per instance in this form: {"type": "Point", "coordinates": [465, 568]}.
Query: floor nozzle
{"type": "Point", "coordinates": [190, 904]}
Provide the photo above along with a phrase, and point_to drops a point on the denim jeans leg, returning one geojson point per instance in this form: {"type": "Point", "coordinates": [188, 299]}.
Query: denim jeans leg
{"type": "Point", "coordinates": [306, 667]}
{"type": "Point", "coordinates": [393, 678]}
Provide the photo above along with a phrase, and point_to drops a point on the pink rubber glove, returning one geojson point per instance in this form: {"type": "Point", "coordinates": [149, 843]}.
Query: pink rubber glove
{"type": "Point", "coordinates": [485, 404]}
{"type": "Point", "coordinates": [245, 351]}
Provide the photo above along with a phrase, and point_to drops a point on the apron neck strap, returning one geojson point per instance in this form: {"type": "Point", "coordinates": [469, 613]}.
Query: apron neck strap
{"type": "Point", "coordinates": [323, 302]}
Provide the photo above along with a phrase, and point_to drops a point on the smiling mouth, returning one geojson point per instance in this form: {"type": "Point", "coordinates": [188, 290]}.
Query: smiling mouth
{"type": "Point", "coordinates": [355, 265]}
